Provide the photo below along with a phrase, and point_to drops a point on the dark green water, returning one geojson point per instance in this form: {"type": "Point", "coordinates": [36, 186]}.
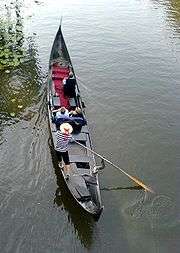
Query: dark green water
{"type": "Point", "coordinates": [128, 55]}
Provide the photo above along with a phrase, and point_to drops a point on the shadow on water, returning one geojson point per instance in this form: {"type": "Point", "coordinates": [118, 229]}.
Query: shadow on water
{"type": "Point", "coordinates": [138, 187]}
{"type": "Point", "coordinates": [84, 224]}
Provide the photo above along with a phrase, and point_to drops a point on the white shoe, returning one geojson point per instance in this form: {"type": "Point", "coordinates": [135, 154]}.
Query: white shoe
{"type": "Point", "coordinates": [67, 177]}
{"type": "Point", "coordinates": [95, 170]}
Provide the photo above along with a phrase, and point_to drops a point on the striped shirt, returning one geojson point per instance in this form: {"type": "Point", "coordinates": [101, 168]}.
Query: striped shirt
{"type": "Point", "coordinates": [62, 141]}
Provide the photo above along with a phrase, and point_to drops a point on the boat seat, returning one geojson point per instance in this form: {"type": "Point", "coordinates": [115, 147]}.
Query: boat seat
{"type": "Point", "coordinates": [78, 184]}
{"type": "Point", "coordinates": [53, 128]}
{"type": "Point", "coordinates": [90, 180]}
{"type": "Point", "coordinates": [79, 158]}
{"type": "Point", "coordinates": [84, 129]}
{"type": "Point", "coordinates": [74, 168]}
{"type": "Point", "coordinates": [78, 170]}
{"type": "Point", "coordinates": [56, 101]}
{"type": "Point", "coordinates": [80, 137]}
{"type": "Point", "coordinates": [82, 171]}
{"type": "Point", "coordinates": [72, 102]}
{"type": "Point", "coordinates": [73, 190]}
{"type": "Point", "coordinates": [61, 70]}
{"type": "Point", "coordinates": [56, 77]}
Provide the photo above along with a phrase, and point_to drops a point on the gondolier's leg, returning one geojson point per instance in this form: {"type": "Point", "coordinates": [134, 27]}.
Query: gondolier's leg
{"type": "Point", "coordinates": [65, 157]}
{"type": "Point", "coordinates": [59, 156]}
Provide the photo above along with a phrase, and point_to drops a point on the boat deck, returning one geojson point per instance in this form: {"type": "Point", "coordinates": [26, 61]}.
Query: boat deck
{"type": "Point", "coordinates": [58, 74]}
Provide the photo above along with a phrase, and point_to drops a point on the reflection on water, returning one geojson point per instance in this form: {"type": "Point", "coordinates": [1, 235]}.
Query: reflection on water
{"type": "Point", "coordinates": [20, 85]}
{"type": "Point", "coordinates": [172, 8]}
{"type": "Point", "coordinates": [84, 224]}
{"type": "Point", "coordinates": [20, 88]}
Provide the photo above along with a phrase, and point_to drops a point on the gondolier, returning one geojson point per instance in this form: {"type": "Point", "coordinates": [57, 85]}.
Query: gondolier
{"type": "Point", "coordinates": [69, 86]}
{"type": "Point", "coordinates": [63, 138]}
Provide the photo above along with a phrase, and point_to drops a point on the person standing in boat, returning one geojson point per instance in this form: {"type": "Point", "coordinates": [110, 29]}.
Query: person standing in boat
{"type": "Point", "coordinates": [63, 138]}
{"type": "Point", "coordinates": [70, 86]}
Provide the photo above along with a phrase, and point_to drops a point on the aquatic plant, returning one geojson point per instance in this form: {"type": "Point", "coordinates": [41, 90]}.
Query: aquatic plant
{"type": "Point", "coordinates": [11, 36]}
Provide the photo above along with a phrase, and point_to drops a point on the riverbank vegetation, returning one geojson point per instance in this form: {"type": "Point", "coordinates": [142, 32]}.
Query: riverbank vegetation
{"type": "Point", "coordinates": [12, 51]}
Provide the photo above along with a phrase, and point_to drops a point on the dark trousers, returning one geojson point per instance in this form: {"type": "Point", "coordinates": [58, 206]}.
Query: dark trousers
{"type": "Point", "coordinates": [64, 156]}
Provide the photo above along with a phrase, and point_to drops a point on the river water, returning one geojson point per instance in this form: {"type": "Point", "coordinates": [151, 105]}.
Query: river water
{"type": "Point", "coordinates": [127, 56]}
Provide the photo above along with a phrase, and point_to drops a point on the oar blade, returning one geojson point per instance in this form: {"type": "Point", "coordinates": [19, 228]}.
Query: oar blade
{"type": "Point", "coordinates": [145, 187]}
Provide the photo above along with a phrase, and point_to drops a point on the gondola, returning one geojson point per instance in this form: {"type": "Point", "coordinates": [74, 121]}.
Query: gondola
{"type": "Point", "coordinates": [83, 182]}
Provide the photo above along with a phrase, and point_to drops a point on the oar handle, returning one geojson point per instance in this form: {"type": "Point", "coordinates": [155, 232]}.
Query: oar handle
{"type": "Point", "coordinates": [137, 181]}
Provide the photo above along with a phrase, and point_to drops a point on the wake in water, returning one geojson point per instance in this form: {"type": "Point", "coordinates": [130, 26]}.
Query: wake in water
{"type": "Point", "coordinates": [160, 211]}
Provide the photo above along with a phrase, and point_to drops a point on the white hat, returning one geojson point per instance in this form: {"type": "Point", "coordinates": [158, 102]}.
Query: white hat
{"type": "Point", "coordinates": [66, 128]}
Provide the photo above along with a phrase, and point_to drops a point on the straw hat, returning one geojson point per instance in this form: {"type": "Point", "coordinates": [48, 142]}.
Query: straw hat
{"type": "Point", "coordinates": [66, 128]}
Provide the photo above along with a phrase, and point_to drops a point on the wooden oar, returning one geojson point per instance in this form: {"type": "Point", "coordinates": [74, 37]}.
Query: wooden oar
{"type": "Point", "coordinates": [137, 181]}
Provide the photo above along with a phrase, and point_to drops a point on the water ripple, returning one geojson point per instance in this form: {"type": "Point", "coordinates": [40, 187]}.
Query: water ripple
{"type": "Point", "coordinates": [159, 211]}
